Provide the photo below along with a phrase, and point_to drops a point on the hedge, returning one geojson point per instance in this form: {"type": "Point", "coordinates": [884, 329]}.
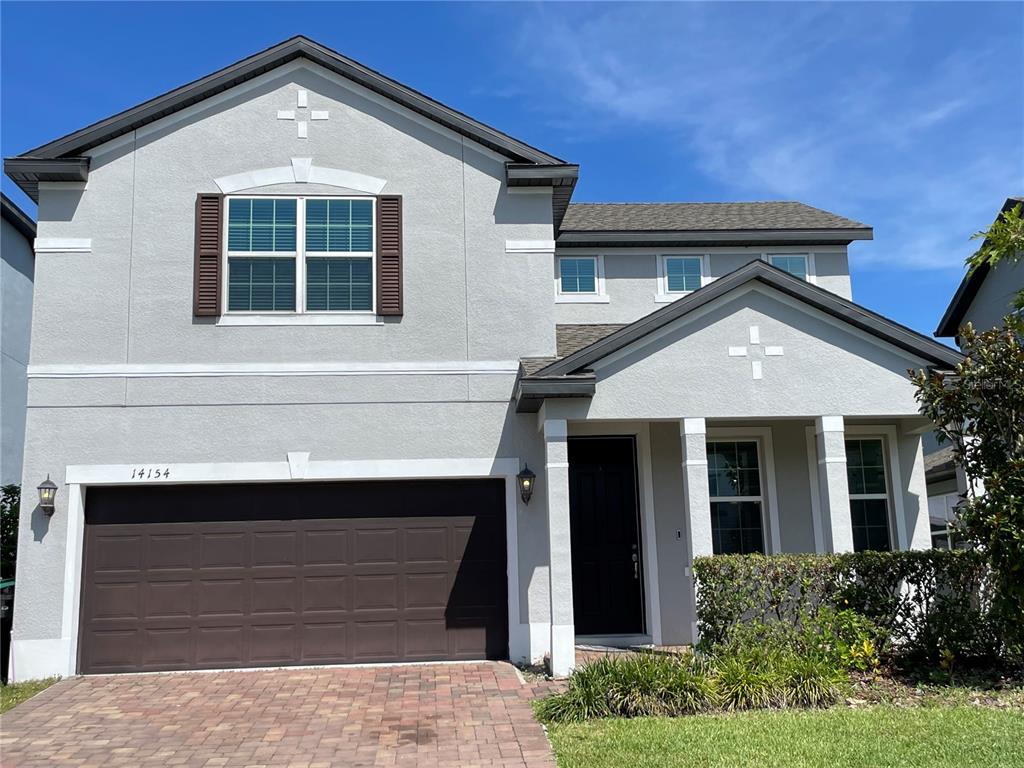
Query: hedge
{"type": "Point", "coordinates": [928, 605]}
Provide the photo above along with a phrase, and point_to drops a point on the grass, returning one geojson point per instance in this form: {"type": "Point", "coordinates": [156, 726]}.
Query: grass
{"type": "Point", "coordinates": [13, 694]}
{"type": "Point", "coordinates": [872, 737]}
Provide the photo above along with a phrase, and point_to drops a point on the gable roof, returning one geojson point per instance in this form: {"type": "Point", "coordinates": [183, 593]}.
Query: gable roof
{"type": "Point", "coordinates": [17, 218]}
{"type": "Point", "coordinates": [949, 325]}
{"type": "Point", "coordinates": [826, 301]}
{"type": "Point", "coordinates": [60, 159]}
{"type": "Point", "coordinates": [722, 222]}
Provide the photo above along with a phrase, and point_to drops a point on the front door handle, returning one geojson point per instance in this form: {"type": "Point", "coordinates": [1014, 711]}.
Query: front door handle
{"type": "Point", "coordinates": [636, 566]}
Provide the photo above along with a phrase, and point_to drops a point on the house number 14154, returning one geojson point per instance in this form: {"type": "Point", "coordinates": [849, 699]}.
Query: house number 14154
{"type": "Point", "coordinates": [150, 473]}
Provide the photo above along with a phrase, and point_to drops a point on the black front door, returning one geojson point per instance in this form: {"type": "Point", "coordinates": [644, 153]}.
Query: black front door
{"type": "Point", "coordinates": [607, 573]}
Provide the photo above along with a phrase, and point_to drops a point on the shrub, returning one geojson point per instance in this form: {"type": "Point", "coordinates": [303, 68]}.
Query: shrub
{"type": "Point", "coordinates": [913, 606]}
{"type": "Point", "coordinates": [670, 686]}
{"type": "Point", "coordinates": [633, 686]}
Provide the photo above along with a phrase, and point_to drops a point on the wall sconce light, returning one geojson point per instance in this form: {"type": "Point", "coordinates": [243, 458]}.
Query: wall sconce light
{"type": "Point", "coordinates": [526, 478]}
{"type": "Point", "coordinates": [47, 495]}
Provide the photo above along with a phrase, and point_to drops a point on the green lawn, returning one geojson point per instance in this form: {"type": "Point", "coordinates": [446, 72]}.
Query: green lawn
{"type": "Point", "coordinates": [875, 737]}
{"type": "Point", "coordinates": [12, 695]}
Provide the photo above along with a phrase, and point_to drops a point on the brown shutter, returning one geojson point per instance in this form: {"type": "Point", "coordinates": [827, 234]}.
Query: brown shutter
{"type": "Point", "coordinates": [206, 292]}
{"type": "Point", "coordinates": [389, 255]}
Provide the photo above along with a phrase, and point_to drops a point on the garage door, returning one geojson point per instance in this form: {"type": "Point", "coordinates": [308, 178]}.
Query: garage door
{"type": "Point", "coordinates": [194, 577]}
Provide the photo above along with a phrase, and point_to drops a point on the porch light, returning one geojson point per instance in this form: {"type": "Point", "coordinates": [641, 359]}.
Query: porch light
{"type": "Point", "coordinates": [526, 478]}
{"type": "Point", "coordinates": [47, 495]}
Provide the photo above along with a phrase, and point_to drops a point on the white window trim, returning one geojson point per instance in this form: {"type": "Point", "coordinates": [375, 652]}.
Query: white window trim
{"type": "Point", "coordinates": [762, 436]}
{"type": "Point", "coordinates": [812, 276]}
{"type": "Point", "coordinates": [598, 297]}
{"type": "Point", "coordinates": [893, 479]}
{"type": "Point", "coordinates": [300, 315]}
{"type": "Point", "coordinates": [664, 295]}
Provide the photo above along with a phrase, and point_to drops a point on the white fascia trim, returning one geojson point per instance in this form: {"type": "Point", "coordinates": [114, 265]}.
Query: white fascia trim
{"type": "Point", "coordinates": [301, 171]}
{"type": "Point", "coordinates": [246, 320]}
{"type": "Point", "coordinates": [79, 186]}
{"type": "Point", "coordinates": [182, 370]}
{"type": "Point", "coordinates": [530, 246]}
{"type": "Point", "coordinates": [63, 245]}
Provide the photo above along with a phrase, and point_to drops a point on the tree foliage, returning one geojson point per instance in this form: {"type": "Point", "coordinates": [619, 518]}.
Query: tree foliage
{"type": "Point", "coordinates": [1003, 241]}
{"type": "Point", "coordinates": [979, 408]}
{"type": "Point", "coordinates": [10, 504]}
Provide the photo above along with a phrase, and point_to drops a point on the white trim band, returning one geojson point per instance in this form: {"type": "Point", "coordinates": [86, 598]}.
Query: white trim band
{"type": "Point", "coordinates": [63, 245]}
{"type": "Point", "coordinates": [182, 370]}
{"type": "Point", "coordinates": [529, 246]}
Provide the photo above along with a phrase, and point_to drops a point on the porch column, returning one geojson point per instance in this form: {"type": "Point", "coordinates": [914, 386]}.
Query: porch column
{"type": "Point", "coordinates": [563, 631]}
{"type": "Point", "coordinates": [696, 504]}
{"type": "Point", "coordinates": [833, 487]}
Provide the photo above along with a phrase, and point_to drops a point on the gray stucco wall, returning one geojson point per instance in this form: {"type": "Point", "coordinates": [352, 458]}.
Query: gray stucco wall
{"type": "Point", "coordinates": [130, 301]}
{"type": "Point", "coordinates": [995, 297]}
{"type": "Point", "coordinates": [17, 264]}
{"type": "Point", "coordinates": [631, 277]}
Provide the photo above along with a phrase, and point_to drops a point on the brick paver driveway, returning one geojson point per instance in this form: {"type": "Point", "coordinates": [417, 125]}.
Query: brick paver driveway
{"type": "Point", "coordinates": [436, 715]}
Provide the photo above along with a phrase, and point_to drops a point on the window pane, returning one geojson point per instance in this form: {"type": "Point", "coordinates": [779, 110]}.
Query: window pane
{"type": "Point", "coordinates": [683, 274]}
{"type": "Point", "coordinates": [261, 285]}
{"type": "Point", "coordinates": [736, 527]}
{"type": "Point", "coordinates": [339, 284]}
{"type": "Point", "coordinates": [795, 265]}
{"type": "Point", "coordinates": [870, 519]}
{"type": "Point", "coordinates": [733, 469]}
{"type": "Point", "coordinates": [261, 224]}
{"type": "Point", "coordinates": [578, 275]}
{"type": "Point", "coordinates": [339, 226]}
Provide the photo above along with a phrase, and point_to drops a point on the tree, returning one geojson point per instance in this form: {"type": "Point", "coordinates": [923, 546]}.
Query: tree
{"type": "Point", "coordinates": [1003, 241]}
{"type": "Point", "coordinates": [979, 408]}
{"type": "Point", "coordinates": [10, 505]}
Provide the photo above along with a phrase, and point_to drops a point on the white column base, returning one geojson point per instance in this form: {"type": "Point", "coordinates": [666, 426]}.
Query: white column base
{"type": "Point", "coordinates": [563, 649]}
{"type": "Point", "coordinates": [36, 659]}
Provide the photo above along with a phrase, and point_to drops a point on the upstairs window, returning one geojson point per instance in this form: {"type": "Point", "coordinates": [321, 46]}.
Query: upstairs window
{"type": "Point", "coordinates": [577, 275]}
{"type": "Point", "coordinates": [262, 254]}
{"type": "Point", "coordinates": [682, 273]}
{"type": "Point", "coordinates": [795, 264]}
{"type": "Point", "coordinates": [300, 254]}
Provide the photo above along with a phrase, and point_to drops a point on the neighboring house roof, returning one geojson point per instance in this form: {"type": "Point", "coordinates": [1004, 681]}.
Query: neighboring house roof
{"type": "Point", "coordinates": [61, 160]}
{"type": "Point", "coordinates": [18, 218]}
{"type": "Point", "coordinates": [571, 376]}
{"type": "Point", "coordinates": [953, 317]}
{"type": "Point", "coordinates": [939, 465]}
{"type": "Point", "coordinates": [585, 223]}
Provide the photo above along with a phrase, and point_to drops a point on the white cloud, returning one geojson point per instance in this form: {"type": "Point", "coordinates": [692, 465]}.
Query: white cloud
{"type": "Point", "coordinates": [851, 108]}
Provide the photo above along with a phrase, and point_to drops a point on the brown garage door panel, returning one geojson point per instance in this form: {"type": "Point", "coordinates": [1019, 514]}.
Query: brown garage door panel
{"type": "Point", "coordinates": [185, 577]}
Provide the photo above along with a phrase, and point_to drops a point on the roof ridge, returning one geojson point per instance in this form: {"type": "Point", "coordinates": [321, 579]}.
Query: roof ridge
{"type": "Point", "coordinates": [703, 202]}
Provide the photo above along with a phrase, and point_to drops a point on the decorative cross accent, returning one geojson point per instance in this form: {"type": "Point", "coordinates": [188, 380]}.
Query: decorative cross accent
{"type": "Point", "coordinates": [755, 343]}
{"type": "Point", "coordinates": [302, 103]}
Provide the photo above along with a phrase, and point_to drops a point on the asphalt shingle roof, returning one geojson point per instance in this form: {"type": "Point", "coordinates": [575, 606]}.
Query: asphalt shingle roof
{"type": "Point", "coordinates": [700, 217]}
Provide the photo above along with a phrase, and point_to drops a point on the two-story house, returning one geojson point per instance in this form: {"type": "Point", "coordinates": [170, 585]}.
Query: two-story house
{"type": "Point", "coordinates": [326, 371]}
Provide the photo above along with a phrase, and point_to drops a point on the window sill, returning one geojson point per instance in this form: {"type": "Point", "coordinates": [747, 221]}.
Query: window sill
{"type": "Point", "coordinates": [668, 298]}
{"type": "Point", "coordinates": [250, 320]}
{"type": "Point", "coordinates": [583, 298]}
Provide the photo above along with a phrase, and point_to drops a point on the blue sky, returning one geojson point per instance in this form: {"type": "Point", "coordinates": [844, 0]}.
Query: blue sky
{"type": "Point", "coordinates": [907, 117]}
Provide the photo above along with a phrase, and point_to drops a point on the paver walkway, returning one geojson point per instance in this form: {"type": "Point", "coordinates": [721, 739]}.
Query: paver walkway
{"type": "Point", "coordinates": [426, 716]}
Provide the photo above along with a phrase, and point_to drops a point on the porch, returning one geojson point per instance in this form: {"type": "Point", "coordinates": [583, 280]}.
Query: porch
{"type": "Point", "coordinates": [631, 503]}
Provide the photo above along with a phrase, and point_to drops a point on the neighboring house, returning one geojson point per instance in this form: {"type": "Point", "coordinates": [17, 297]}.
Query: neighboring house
{"type": "Point", "coordinates": [17, 263]}
{"type": "Point", "coordinates": [300, 330]}
{"type": "Point", "coordinates": [985, 296]}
